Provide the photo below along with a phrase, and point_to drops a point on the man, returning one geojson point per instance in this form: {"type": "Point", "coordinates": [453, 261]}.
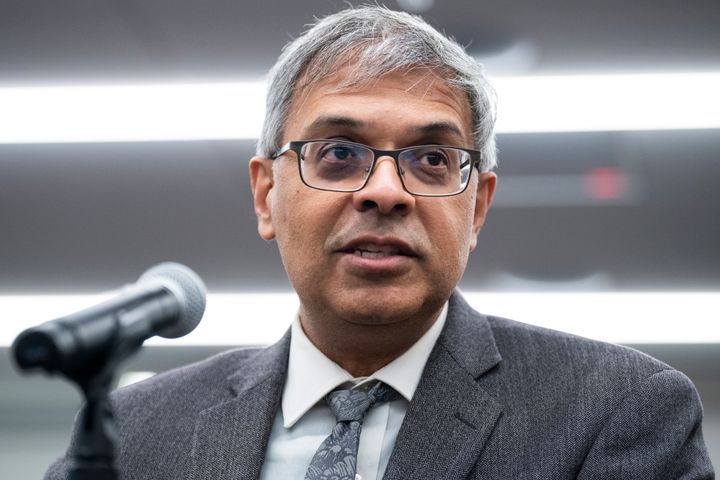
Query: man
{"type": "Point", "coordinates": [373, 176]}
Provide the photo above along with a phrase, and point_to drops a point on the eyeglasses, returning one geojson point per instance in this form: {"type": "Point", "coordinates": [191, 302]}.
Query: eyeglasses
{"type": "Point", "coordinates": [427, 171]}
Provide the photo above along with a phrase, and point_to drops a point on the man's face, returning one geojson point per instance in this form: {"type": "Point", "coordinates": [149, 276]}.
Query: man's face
{"type": "Point", "coordinates": [379, 255]}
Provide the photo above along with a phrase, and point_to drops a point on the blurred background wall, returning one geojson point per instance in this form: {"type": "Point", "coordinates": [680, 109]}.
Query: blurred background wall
{"type": "Point", "coordinates": [608, 220]}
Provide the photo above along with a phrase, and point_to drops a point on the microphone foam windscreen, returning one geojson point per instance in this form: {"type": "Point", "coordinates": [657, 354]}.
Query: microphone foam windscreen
{"type": "Point", "coordinates": [187, 287]}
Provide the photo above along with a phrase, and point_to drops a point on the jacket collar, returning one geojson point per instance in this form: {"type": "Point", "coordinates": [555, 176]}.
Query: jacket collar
{"type": "Point", "coordinates": [468, 337]}
{"type": "Point", "coordinates": [451, 417]}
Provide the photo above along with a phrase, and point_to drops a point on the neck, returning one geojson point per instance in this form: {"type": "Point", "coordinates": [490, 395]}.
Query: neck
{"type": "Point", "coordinates": [364, 348]}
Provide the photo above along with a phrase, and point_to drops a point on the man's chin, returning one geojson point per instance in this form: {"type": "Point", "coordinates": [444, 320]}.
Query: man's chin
{"type": "Point", "coordinates": [376, 307]}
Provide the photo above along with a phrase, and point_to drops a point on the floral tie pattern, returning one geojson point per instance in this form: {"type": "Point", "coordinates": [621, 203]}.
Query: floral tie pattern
{"type": "Point", "coordinates": [336, 458]}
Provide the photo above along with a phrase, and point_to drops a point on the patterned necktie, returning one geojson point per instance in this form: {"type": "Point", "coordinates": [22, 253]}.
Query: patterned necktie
{"type": "Point", "coordinates": [336, 458]}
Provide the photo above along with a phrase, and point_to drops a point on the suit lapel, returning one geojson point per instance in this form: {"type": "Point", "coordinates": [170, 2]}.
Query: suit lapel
{"type": "Point", "coordinates": [450, 417]}
{"type": "Point", "coordinates": [231, 437]}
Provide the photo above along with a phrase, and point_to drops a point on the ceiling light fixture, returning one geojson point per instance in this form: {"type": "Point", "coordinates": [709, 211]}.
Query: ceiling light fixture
{"type": "Point", "coordinates": [632, 317]}
{"type": "Point", "coordinates": [215, 111]}
{"type": "Point", "coordinates": [131, 113]}
{"type": "Point", "coordinates": [580, 103]}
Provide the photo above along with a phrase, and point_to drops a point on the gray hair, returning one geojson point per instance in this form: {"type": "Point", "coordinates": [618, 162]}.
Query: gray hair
{"type": "Point", "coordinates": [379, 41]}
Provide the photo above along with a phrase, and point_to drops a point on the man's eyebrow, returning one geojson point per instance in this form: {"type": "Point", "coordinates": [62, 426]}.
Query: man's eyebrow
{"type": "Point", "coordinates": [321, 123]}
{"type": "Point", "coordinates": [436, 128]}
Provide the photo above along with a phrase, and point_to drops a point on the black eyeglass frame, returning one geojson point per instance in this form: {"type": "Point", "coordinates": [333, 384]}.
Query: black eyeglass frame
{"type": "Point", "coordinates": [296, 146]}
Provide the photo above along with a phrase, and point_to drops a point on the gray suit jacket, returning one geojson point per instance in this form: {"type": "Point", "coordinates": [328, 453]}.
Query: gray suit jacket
{"type": "Point", "coordinates": [497, 400]}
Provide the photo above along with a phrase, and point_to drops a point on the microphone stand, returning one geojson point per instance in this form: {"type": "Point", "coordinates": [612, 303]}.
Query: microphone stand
{"type": "Point", "coordinates": [93, 452]}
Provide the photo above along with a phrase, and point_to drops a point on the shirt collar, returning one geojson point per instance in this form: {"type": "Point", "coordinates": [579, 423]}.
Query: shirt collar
{"type": "Point", "coordinates": [312, 375]}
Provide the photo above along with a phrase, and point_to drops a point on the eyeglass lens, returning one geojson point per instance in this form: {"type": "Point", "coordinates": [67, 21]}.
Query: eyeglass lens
{"type": "Point", "coordinates": [424, 170]}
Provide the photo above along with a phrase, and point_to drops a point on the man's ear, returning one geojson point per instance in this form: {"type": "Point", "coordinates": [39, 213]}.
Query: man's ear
{"type": "Point", "coordinates": [485, 192]}
{"type": "Point", "coordinates": [261, 182]}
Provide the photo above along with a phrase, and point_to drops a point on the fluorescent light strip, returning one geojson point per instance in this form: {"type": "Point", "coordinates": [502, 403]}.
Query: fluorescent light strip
{"type": "Point", "coordinates": [213, 111]}
{"type": "Point", "coordinates": [258, 319]}
{"type": "Point", "coordinates": [577, 103]}
{"type": "Point", "coordinates": [131, 113]}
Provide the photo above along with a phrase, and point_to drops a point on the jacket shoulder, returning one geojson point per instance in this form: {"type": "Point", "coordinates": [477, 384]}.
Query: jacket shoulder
{"type": "Point", "coordinates": [200, 379]}
{"type": "Point", "coordinates": [547, 368]}
{"type": "Point", "coordinates": [594, 407]}
{"type": "Point", "coordinates": [546, 348]}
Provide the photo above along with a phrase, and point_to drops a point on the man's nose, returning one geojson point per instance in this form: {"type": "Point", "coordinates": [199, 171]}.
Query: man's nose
{"type": "Point", "coordinates": [384, 190]}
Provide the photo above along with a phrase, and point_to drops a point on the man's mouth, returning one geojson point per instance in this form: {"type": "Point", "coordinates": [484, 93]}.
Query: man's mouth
{"type": "Point", "coordinates": [375, 251]}
{"type": "Point", "coordinates": [377, 256]}
{"type": "Point", "coordinates": [379, 248]}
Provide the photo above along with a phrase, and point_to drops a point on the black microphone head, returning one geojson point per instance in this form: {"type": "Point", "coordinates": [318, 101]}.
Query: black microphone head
{"type": "Point", "coordinates": [189, 290]}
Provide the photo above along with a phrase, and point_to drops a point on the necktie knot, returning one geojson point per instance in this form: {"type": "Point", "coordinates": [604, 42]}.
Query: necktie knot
{"type": "Point", "coordinates": [352, 405]}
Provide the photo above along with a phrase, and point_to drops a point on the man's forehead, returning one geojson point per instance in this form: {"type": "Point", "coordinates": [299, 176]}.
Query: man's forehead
{"type": "Point", "coordinates": [326, 99]}
{"type": "Point", "coordinates": [357, 72]}
{"type": "Point", "coordinates": [349, 76]}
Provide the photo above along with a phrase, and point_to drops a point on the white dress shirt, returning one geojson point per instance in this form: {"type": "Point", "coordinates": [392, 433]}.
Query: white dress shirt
{"type": "Point", "coordinates": [305, 420]}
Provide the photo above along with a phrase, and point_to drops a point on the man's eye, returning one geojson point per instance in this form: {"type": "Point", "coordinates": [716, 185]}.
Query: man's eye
{"type": "Point", "coordinates": [334, 153]}
{"type": "Point", "coordinates": [435, 159]}
{"type": "Point", "coordinates": [432, 159]}
{"type": "Point", "coordinates": [341, 153]}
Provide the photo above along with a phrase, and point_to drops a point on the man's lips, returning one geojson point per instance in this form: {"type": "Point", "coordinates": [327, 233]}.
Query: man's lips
{"type": "Point", "coordinates": [378, 248]}
{"type": "Point", "coordinates": [374, 251]}
{"type": "Point", "coordinates": [377, 257]}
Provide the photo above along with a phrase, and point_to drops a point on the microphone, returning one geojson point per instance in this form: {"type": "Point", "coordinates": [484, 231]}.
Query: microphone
{"type": "Point", "coordinates": [167, 300]}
